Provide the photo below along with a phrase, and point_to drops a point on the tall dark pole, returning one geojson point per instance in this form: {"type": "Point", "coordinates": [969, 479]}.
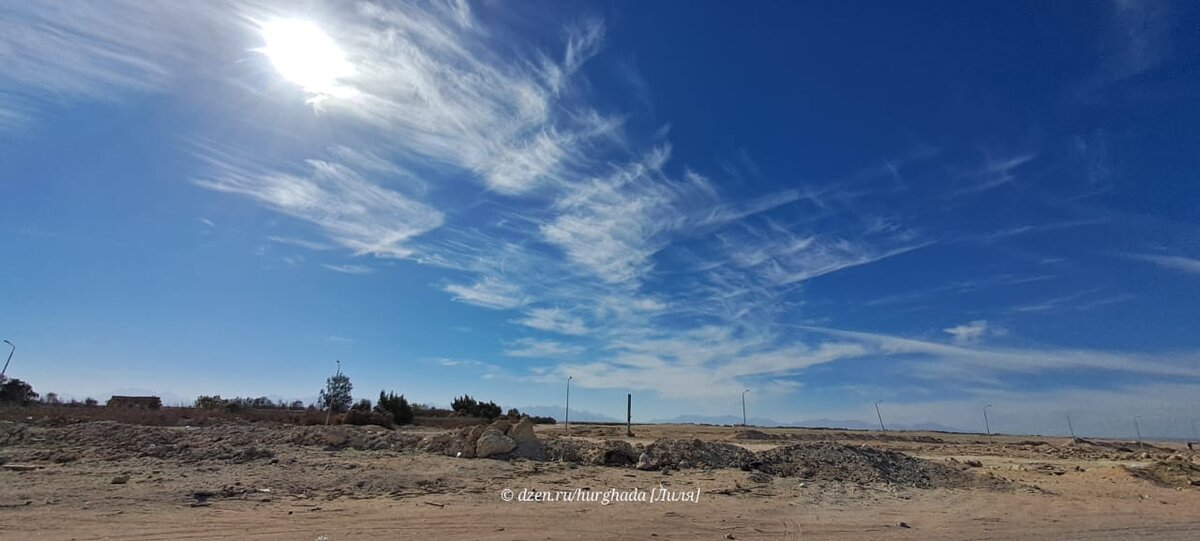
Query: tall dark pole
{"type": "Point", "coordinates": [10, 354]}
{"type": "Point", "coordinates": [987, 426]}
{"type": "Point", "coordinates": [744, 407]}
{"type": "Point", "coordinates": [1070, 426]}
{"type": "Point", "coordinates": [567, 414]}
{"type": "Point", "coordinates": [880, 416]}
{"type": "Point", "coordinates": [1139, 432]}
{"type": "Point", "coordinates": [1195, 435]}
{"type": "Point", "coordinates": [629, 414]}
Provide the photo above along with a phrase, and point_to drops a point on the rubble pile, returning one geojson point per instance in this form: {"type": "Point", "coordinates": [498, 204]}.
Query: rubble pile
{"type": "Point", "coordinates": [852, 464]}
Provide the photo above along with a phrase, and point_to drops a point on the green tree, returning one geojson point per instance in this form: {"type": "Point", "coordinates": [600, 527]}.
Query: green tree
{"type": "Point", "coordinates": [397, 406]}
{"type": "Point", "coordinates": [335, 396]}
{"type": "Point", "coordinates": [15, 391]}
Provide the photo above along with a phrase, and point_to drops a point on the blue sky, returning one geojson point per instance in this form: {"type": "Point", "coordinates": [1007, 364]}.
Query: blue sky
{"type": "Point", "coordinates": [937, 206]}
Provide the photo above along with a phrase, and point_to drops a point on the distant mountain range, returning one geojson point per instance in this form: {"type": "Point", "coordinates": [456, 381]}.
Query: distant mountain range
{"type": "Point", "coordinates": [810, 423]}
{"type": "Point", "coordinates": [556, 412]}
{"type": "Point", "coordinates": [584, 416]}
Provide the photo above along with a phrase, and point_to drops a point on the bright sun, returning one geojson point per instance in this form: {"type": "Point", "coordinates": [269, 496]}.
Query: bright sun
{"type": "Point", "coordinates": [305, 55]}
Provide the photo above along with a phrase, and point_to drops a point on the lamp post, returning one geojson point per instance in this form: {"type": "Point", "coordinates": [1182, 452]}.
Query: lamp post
{"type": "Point", "coordinates": [10, 354]}
{"type": "Point", "coordinates": [744, 406]}
{"type": "Point", "coordinates": [880, 416]}
{"type": "Point", "coordinates": [567, 413]}
{"type": "Point", "coordinates": [986, 425]}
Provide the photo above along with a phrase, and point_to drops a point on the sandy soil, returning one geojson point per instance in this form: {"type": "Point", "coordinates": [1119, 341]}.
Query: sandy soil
{"type": "Point", "coordinates": [104, 481]}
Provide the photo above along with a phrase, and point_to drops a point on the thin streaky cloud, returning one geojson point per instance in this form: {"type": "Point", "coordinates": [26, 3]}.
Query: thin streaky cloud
{"type": "Point", "coordinates": [349, 269]}
{"type": "Point", "coordinates": [1173, 262]}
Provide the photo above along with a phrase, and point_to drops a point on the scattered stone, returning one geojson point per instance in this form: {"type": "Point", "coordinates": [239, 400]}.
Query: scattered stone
{"type": "Point", "coordinates": [905, 525]}
{"type": "Point", "coordinates": [120, 480]}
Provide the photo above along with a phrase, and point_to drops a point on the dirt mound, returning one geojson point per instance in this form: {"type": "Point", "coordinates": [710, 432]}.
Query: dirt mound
{"type": "Point", "coordinates": [108, 440]}
{"type": "Point", "coordinates": [679, 454]}
{"type": "Point", "coordinates": [519, 439]}
{"type": "Point", "coordinates": [1169, 473]}
{"type": "Point", "coordinates": [605, 453]}
{"type": "Point", "coordinates": [754, 435]}
{"type": "Point", "coordinates": [862, 465]}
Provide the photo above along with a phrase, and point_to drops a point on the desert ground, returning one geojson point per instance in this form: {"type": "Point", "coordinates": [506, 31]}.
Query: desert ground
{"type": "Point", "coordinates": [108, 480]}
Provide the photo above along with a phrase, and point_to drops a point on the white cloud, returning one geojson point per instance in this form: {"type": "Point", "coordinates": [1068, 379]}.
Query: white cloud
{"type": "Point", "coordinates": [300, 243]}
{"type": "Point", "coordinates": [541, 349]}
{"type": "Point", "coordinates": [349, 269]}
{"type": "Point", "coordinates": [1173, 262]}
{"type": "Point", "coordinates": [971, 332]}
{"type": "Point", "coordinates": [350, 210]}
{"type": "Point", "coordinates": [553, 320]}
{"type": "Point", "coordinates": [490, 292]}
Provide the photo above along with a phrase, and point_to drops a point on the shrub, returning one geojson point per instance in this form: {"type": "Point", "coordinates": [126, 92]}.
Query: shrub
{"type": "Point", "coordinates": [396, 406]}
{"type": "Point", "coordinates": [359, 416]}
{"type": "Point", "coordinates": [15, 391]}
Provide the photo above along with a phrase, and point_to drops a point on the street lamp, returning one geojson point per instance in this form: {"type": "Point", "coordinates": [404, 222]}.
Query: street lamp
{"type": "Point", "coordinates": [567, 414]}
{"type": "Point", "coordinates": [10, 354]}
{"type": "Point", "coordinates": [880, 416]}
{"type": "Point", "coordinates": [744, 406]}
{"type": "Point", "coordinates": [987, 426]}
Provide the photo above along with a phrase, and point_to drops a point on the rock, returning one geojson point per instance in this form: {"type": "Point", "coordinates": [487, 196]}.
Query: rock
{"type": "Point", "coordinates": [501, 425]}
{"type": "Point", "coordinates": [120, 479]}
{"type": "Point", "coordinates": [522, 432]}
{"type": "Point", "coordinates": [644, 462]}
{"type": "Point", "coordinates": [974, 463]}
{"type": "Point", "coordinates": [493, 442]}
{"type": "Point", "coordinates": [905, 525]}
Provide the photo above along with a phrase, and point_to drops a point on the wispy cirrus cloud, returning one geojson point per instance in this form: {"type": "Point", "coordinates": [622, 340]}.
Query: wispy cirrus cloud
{"type": "Point", "coordinates": [349, 269]}
{"type": "Point", "coordinates": [541, 349]}
{"type": "Point", "coordinates": [488, 292]}
{"type": "Point", "coordinates": [352, 211]}
{"type": "Point", "coordinates": [973, 332]}
{"type": "Point", "coordinates": [1173, 262]}
{"type": "Point", "coordinates": [554, 320]}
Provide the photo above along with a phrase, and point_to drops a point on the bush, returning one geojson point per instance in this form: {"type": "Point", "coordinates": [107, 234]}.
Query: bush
{"type": "Point", "coordinates": [396, 406]}
{"type": "Point", "coordinates": [465, 405]}
{"type": "Point", "coordinates": [359, 416]}
{"type": "Point", "coordinates": [15, 391]}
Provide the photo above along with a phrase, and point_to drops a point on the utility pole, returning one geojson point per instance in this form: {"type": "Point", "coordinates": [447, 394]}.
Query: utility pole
{"type": "Point", "coordinates": [987, 426]}
{"type": "Point", "coordinates": [744, 406]}
{"type": "Point", "coordinates": [629, 415]}
{"type": "Point", "coordinates": [10, 354]}
{"type": "Point", "coordinates": [1071, 427]}
{"type": "Point", "coordinates": [880, 416]}
{"type": "Point", "coordinates": [1138, 429]}
{"type": "Point", "coordinates": [567, 413]}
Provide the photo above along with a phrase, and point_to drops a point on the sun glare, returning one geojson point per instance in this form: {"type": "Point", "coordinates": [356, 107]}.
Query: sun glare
{"type": "Point", "coordinates": [305, 55]}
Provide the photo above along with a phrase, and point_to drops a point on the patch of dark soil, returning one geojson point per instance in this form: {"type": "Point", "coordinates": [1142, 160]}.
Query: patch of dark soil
{"type": "Point", "coordinates": [862, 465]}
{"type": "Point", "coordinates": [681, 454]}
{"type": "Point", "coordinates": [1169, 473]}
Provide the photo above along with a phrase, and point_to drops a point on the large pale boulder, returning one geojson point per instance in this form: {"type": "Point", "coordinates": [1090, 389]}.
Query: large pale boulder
{"type": "Point", "coordinates": [493, 442]}
{"type": "Point", "coordinates": [522, 432]}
